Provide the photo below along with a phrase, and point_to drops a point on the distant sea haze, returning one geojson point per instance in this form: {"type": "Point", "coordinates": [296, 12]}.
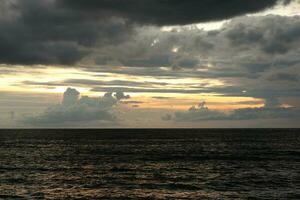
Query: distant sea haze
{"type": "Point", "coordinates": [150, 164]}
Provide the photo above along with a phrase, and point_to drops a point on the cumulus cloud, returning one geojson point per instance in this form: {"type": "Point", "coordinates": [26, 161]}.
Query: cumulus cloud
{"type": "Point", "coordinates": [198, 113]}
{"type": "Point", "coordinates": [79, 113]}
{"type": "Point", "coordinates": [70, 97]}
{"type": "Point", "coordinates": [271, 110]}
{"type": "Point", "coordinates": [120, 95]}
{"type": "Point", "coordinates": [78, 109]}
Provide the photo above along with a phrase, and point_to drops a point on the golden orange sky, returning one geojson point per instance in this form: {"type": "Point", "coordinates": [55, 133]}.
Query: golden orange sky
{"type": "Point", "coordinates": [16, 82]}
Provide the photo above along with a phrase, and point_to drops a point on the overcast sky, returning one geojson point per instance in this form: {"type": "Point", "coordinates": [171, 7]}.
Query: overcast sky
{"type": "Point", "coordinates": [149, 63]}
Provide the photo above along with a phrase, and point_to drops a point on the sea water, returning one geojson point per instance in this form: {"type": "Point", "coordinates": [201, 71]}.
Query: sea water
{"type": "Point", "coordinates": [150, 164]}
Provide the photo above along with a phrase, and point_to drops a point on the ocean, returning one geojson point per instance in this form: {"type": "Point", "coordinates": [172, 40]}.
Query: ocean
{"type": "Point", "coordinates": [150, 164]}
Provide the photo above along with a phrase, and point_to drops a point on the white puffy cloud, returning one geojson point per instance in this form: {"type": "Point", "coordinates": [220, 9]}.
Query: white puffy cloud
{"type": "Point", "coordinates": [76, 109]}
{"type": "Point", "coordinates": [70, 97]}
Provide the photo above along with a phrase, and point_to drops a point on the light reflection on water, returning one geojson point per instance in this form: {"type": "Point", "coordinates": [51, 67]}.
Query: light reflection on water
{"type": "Point", "coordinates": [189, 164]}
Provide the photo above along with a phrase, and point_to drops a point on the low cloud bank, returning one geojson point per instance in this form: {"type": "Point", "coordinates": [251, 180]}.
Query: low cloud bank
{"type": "Point", "coordinates": [271, 110]}
{"type": "Point", "coordinates": [80, 109]}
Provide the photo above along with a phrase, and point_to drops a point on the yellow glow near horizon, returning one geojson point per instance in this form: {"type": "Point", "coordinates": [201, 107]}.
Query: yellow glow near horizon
{"type": "Point", "coordinates": [184, 102]}
{"type": "Point", "coordinates": [50, 80]}
{"type": "Point", "coordinates": [13, 81]}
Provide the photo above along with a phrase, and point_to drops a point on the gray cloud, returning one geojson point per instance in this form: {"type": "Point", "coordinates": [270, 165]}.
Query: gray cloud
{"type": "Point", "coordinates": [152, 61]}
{"type": "Point", "coordinates": [284, 77]}
{"type": "Point", "coordinates": [271, 110]}
{"type": "Point", "coordinates": [89, 83]}
{"type": "Point", "coordinates": [242, 48]}
{"type": "Point", "coordinates": [65, 32]}
{"type": "Point", "coordinates": [241, 89]}
{"type": "Point", "coordinates": [120, 95]}
{"type": "Point", "coordinates": [132, 102]}
{"type": "Point", "coordinates": [162, 12]}
{"type": "Point", "coordinates": [265, 113]}
{"type": "Point", "coordinates": [71, 97]}
{"type": "Point", "coordinates": [167, 117]}
{"type": "Point", "coordinates": [148, 90]}
{"type": "Point", "coordinates": [248, 88]}
{"type": "Point", "coordinates": [41, 32]}
{"type": "Point", "coordinates": [76, 109]}
{"type": "Point", "coordinates": [198, 113]}
{"type": "Point", "coordinates": [60, 115]}
{"type": "Point", "coordinates": [257, 55]}
{"type": "Point", "coordinates": [271, 34]}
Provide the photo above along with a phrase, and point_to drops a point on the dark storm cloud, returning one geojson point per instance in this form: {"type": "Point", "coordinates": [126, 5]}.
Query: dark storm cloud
{"type": "Point", "coordinates": [40, 32]}
{"type": "Point", "coordinates": [171, 12]}
{"type": "Point", "coordinates": [271, 35]}
{"type": "Point", "coordinates": [23, 42]}
{"type": "Point", "coordinates": [66, 31]}
{"type": "Point", "coordinates": [259, 55]}
{"type": "Point", "coordinates": [240, 54]}
{"type": "Point", "coordinates": [241, 48]}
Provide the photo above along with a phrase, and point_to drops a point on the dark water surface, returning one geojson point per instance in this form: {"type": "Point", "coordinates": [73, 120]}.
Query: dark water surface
{"type": "Point", "coordinates": [150, 164]}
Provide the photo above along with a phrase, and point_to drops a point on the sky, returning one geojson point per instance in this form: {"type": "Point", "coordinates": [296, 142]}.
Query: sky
{"type": "Point", "coordinates": [149, 64]}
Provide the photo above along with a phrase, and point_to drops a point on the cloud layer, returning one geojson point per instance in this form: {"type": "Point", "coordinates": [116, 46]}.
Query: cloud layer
{"type": "Point", "coordinates": [41, 32]}
{"type": "Point", "coordinates": [79, 109]}
{"type": "Point", "coordinates": [66, 31]}
{"type": "Point", "coordinates": [175, 12]}
{"type": "Point", "coordinates": [127, 41]}
{"type": "Point", "coordinates": [271, 110]}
